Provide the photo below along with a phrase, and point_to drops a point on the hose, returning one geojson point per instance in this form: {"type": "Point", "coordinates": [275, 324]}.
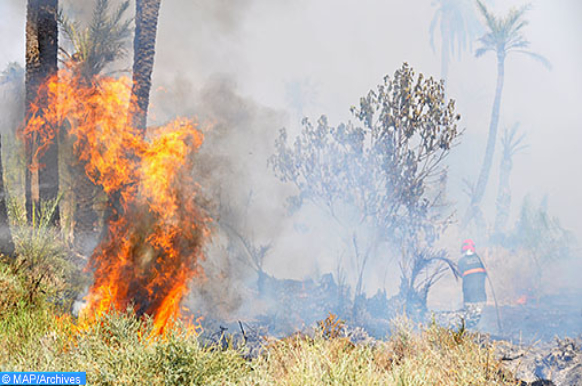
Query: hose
{"type": "Point", "coordinates": [499, 328]}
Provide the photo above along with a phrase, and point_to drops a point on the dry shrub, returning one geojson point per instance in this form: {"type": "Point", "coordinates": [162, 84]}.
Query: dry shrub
{"type": "Point", "coordinates": [332, 327]}
{"type": "Point", "coordinates": [440, 356]}
{"type": "Point", "coordinates": [414, 355]}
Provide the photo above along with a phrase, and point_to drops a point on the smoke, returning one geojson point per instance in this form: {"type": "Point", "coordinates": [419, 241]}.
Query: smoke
{"type": "Point", "coordinates": [240, 193]}
{"type": "Point", "coordinates": [11, 97]}
{"type": "Point", "coordinates": [247, 68]}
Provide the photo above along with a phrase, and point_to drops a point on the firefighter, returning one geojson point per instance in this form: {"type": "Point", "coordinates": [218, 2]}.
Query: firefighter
{"type": "Point", "coordinates": [473, 273]}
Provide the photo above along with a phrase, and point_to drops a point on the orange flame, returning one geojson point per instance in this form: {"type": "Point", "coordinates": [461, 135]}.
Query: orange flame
{"type": "Point", "coordinates": [154, 242]}
{"type": "Point", "coordinates": [522, 300]}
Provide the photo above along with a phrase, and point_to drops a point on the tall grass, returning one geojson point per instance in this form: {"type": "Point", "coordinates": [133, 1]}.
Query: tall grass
{"type": "Point", "coordinates": [120, 349]}
{"type": "Point", "coordinates": [43, 262]}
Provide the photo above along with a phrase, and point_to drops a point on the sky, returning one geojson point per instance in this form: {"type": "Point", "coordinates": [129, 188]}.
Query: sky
{"type": "Point", "coordinates": [290, 59]}
{"type": "Point", "coordinates": [338, 50]}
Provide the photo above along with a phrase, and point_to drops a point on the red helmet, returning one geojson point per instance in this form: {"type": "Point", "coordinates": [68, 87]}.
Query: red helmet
{"type": "Point", "coordinates": [468, 245]}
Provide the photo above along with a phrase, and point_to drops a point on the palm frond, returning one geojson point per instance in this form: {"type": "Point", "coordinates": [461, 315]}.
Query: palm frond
{"type": "Point", "coordinates": [540, 58]}
{"type": "Point", "coordinates": [432, 27]}
{"type": "Point", "coordinates": [515, 28]}
{"type": "Point", "coordinates": [505, 34]}
{"type": "Point", "coordinates": [512, 145]}
{"type": "Point", "coordinates": [482, 50]}
{"type": "Point", "coordinates": [102, 42]}
{"type": "Point", "coordinates": [490, 19]}
{"type": "Point", "coordinates": [514, 20]}
{"type": "Point", "coordinates": [516, 41]}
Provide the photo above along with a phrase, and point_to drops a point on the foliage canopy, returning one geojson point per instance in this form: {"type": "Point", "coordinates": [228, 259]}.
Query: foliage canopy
{"type": "Point", "coordinates": [385, 170]}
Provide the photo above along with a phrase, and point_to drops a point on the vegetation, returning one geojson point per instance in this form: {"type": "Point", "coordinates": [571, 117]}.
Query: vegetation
{"type": "Point", "coordinates": [101, 43]}
{"type": "Point", "coordinates": [511, 145]}
{"type": "Point", "coordinates": [43, 262]}
{"type": "Point", "coordinates": [121, 349]}
{"type": "Point", "coordinates": [380, 181]}
{"type": "Point", "coordinates": [458, 25]}
{"type": "Point", "coordinates": [504, 36]}
{"type": "Point", "coordinates": [90, 51]}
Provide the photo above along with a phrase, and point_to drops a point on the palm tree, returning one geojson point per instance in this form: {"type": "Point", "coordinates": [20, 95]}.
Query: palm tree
{"type": "Point", "coordinates": [459, 26]}
{"type": "Point", "coordinates": [504, 36]}
{"type": "Point", "coordinates": [93, 49]}
{"type": "Point", "coordinates": [101, 43]}
{"type": "Point", "coordinates": [512, 144]}
{"type": "Point", "coordinates": [144, 45]}
{"type": "Point", "coordinates": [41, 183]}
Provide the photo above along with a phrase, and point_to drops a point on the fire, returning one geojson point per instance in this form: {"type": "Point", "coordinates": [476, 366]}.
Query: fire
{"type": "Point", "coordinates": [154, 242]}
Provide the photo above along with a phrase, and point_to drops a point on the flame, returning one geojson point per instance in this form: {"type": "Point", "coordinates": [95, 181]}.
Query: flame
{"type": "Point", "coordinates": [154, 242]}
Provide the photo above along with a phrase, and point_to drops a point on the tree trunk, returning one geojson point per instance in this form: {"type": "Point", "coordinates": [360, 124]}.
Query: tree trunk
{"type": "Point", "coordinates": [144, 45]}
{"type": "Point", "coordinates": [42, 175]}
{"type": "Point", "coordinates": [481, 186]}
{"type": "Point", "coordinates": [6, 243]}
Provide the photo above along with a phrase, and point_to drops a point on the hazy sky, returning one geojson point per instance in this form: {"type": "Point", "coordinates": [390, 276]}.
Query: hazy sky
{"type": "Point", "coordinates": [338, 50]}
{"type": "Point", "coordinates": [341, 49]}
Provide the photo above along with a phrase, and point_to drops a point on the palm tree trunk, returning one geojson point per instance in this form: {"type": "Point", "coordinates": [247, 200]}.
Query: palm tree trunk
{"type": "Point", "coordinates": [42, 175]}
{"type": "Point", "coordinates": [144, 45]}
{"type": "Point", "coordinates": [481, 186]}
{"type": "Point", "coordinates": [6, 243]}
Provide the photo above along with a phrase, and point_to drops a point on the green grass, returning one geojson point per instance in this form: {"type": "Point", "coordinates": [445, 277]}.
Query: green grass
{"type": "Point", "coordinates": [117, 349]}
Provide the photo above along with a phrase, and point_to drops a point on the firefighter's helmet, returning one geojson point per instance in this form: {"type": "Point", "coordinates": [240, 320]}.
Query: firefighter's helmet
{"type": "Point", "coordinates": [468, 245]}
